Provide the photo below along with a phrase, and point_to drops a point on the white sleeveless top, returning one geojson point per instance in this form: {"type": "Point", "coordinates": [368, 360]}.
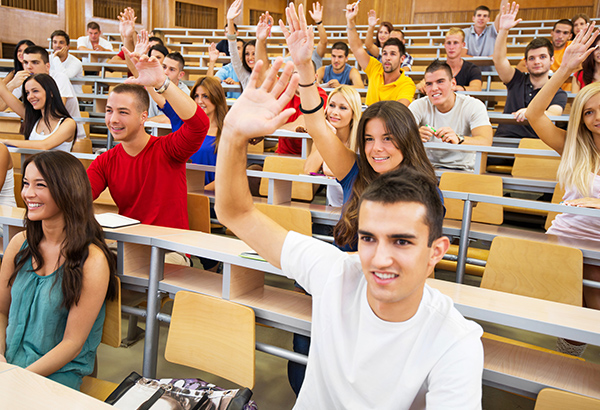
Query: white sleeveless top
{"type": "Point", "coordinates": [34, 136]}
{"type": "Point", "coordinates": [578, 226]}
{"type": "Point", "coordinates": [7, 194]}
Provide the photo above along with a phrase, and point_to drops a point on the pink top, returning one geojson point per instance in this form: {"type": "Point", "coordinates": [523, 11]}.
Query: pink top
{"type": "Point", "coordinates": [578, 226]}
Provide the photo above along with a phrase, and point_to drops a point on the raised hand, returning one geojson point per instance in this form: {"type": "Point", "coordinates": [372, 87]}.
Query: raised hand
{"type": "Point", "coordinates": [17, 80]}
{"type": "Point", "coordinates": [143, 45]}
{"type": "Point", "coordinates": [127, 22]}
{"type": "Point", "coordinates": [299, 37]}
{"type": "Point", "coordinates": [63, 53]}
{"type": "Point", "coordinates": [351, 13]}
{"type": "Point", "coordinates": [213, 53]}
{"type": "Point", "coordinates": [234, 10]}
{"type": "Point", "coordinates": [317, 12]}
{"type": "Point", "coordinates": [580, 48]}
{"type": "Point", "coordinates": [508, 15]}
{"type": "Point", "coordinates": [258, 111]}
{"type": "Point", "coordinates": [372, 19]}
{"type": "Point", "coordinates": [150, 71]}
{"type": "Point", "coordinates": [263, 28]}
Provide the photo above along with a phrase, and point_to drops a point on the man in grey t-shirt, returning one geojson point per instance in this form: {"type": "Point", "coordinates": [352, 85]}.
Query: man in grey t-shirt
{"type": "Point", "coordinates": [445, 116]}
{"type": "Point", "coordinates": [481, 36]}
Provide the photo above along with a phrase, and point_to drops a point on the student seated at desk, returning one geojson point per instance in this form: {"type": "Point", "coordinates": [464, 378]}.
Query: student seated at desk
{"type": "Point", "coordinates": [56, 275]}
{"type": "Point", "coordinates": [579, 167]}
{"type": "Point", "coordinates": [382, 339]}
{"type": "Point", "coordinates": [47, 123]}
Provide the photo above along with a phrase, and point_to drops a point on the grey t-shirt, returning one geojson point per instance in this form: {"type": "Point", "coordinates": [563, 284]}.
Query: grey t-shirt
{"type": "Point", "coordinates": [468, 113]}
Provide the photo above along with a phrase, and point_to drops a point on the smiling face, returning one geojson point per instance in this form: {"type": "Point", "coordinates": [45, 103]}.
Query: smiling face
{"type": "Point", "coordinates": [560, 35]}
{"type": "Point", "coordinates": [383, 34]}
{"type": "Point", "coordinates": [203, 100]}
{"type": "Point", "coordinates": [439, 89]}
{"type": "Point", "coordinates": [538, 62]}
{"type": "Point", "coordinates": [591, 115]}
{"type": "Point", "coordinates": [36, 195]}
{"type": "Point", "coordinates": [339, 114]}
{"type": "Point", "coordinates": [123, 118]}
{"type": "Point", "coordinates": [382, 154]}
{"type": "Point", "coordinates": [58, 43]}
{"type": "Point", "coordinates": [454, 44]}
{"type": "Point", "coordinates": [35, 94]}
{"type": "Point", "coordinates": [250, 55]}
{"type": "Point", "coordinates": [481, 19]}
{"type": "Point", "coordinates": [395, 256]}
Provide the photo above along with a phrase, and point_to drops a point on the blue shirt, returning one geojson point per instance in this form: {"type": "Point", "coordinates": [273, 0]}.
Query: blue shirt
{"type": "Point", "coordinates": [343, 77]}
{"type": "Point", "coordinates": [206, 155]}
{"type": "Point", "coordinates": [226, 72]}
{"type": "Point", "coordinates": [176, 122]}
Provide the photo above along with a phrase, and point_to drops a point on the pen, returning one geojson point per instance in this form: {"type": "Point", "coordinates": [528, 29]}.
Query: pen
{"type": "Point", "coordinates": [357, 3]}
{"type": "Point", "coordinates": [430, 127]}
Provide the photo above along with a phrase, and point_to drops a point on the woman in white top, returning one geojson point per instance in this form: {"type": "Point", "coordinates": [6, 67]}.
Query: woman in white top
{"type": "Point", "coordinates": [46, 122]}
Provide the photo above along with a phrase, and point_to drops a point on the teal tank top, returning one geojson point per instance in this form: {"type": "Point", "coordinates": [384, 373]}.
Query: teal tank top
{"type": "Point", "coordinates": [37, 322]}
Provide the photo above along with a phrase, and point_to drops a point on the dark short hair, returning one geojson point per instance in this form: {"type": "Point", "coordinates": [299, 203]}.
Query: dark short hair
{"type": "Point", "coordinates": [408, 185]}
{"type": "Point", "coordinates": [140, 95]}
{"type": "Point", "coordinates": [176, 55]}
{"type": "Point", "coordinates": [38, 50]}
{"type": "Point", "coordinates": [340, 45]}
{"type": "Point", "coordinates": [60, 33]}
{"type": "Point", "coordinates": [93, 25]}
{"type": "Point", "coordinates": [539, 42]}
{"type": "Point", "coordinates": [160, 48]}
{"type": "Point", "coordinates": [566, 22]}
{"type": "Point", "coordinates": [157, 40]}
{"type": "Point", "coordinates": [437, 65]}
{"type": "Point", "coordinates": [395, 42]}
{"type": "Point", "coordinates": [483, 8]}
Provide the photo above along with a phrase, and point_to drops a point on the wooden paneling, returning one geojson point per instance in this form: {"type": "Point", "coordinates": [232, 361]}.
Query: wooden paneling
{"type": "Point", "coordinates": [398, 11]}
{"type": "Point", "coordinates": [18, 24]}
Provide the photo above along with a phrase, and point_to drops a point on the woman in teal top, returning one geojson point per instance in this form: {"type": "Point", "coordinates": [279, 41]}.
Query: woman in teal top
{"type": "Point", "coordinates": [55, 275]}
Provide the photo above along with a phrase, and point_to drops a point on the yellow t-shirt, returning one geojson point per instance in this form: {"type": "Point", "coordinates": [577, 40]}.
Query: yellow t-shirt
{"type": "Point", "coordinates": [558, 56]}
{"type": "Point", "coordinates": [403, 87]}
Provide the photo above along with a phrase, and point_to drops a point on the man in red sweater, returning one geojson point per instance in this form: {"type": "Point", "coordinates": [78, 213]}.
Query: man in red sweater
{"type": "Point", "coordinates": [145, 174]}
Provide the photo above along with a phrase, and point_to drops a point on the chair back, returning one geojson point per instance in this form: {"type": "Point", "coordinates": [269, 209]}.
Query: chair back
{"type": "Point", "coordinates": [213, 335]}
{"type": "Point", "coordinates": [199, 212]}
{"type": "Point", "coordinates": [18, 177]}
{"type": "Point", "coordinates": [292, 219]}
{"type": "Point", "coordinates": [557, 197]}
{"type": "Point", "coordinates": [529, 166]}
{"type": "Point", "coordinates": [111, 332]}
{"type": "Point", "coordinates": [552, 399]}
{"type": "Point", "coordinates": [535, 269]}
{"type": "Point", "coordinates": [473, 184]}
{"type": "Point", "coordinates": [286, 165]}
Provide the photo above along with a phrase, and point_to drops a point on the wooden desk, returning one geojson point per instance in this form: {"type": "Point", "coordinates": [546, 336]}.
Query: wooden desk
{"type": "Point", "coordinates": [22, 389]}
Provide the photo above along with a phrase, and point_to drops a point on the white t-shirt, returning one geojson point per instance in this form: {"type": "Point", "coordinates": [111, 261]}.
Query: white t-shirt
{"type": "Point", "coordinates": [358, 361]}
{"type": "Point", "coordinates": [84, 41]}
{"type": "Point", "coordinates": [66, 91]}
{"type": "Point", "coordinates": [468, 113]}
{"type": "Point", "coordinates": [72, 67]}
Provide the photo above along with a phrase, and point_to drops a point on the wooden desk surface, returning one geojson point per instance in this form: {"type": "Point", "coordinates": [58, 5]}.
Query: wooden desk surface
{"type": "Point", "coordinates": [22, 389]}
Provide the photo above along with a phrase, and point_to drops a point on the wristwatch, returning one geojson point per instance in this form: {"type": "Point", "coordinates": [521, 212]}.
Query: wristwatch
{"type": "Point", "coordinates": [164, 87]}
{"type": "Point", "coordinates": [461, 139]}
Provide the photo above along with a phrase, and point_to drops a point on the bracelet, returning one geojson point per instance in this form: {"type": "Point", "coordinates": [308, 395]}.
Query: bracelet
{"type": "Point", "coordinates": [318, 22]}
{"type": "Point", "coordinates": [164, 87]}
{"type": "Point", "coordinates": [314, 110]}
{"type": "Point", "coordinates": [308, 85]}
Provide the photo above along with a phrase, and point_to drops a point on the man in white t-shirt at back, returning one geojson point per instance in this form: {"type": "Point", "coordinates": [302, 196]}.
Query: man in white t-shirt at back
{"type": "Point", "coordinates": [36, 61]}
{"type": "Point", "coordinates": [93, 41]}
{"type": "Point", "coordinates": [381, 337]}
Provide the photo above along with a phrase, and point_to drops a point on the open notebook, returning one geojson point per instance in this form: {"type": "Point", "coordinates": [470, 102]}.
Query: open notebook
{"type": "Point", "coordinates": [112, 220]}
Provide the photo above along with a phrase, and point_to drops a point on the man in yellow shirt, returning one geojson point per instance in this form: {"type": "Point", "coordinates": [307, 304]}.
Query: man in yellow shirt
{"type": "Point", "coordinates": [386, 79]}
{"type": "Point", "coordinates": [560, 35]}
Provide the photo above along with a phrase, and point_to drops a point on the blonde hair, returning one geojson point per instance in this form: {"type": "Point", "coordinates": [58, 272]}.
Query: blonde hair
{"type": "Point", "coordinates": [453, 31]}
{"type": "Point", "coordinates": [353, 98]}
{"type": "Point", "coordinates": [580, 160]}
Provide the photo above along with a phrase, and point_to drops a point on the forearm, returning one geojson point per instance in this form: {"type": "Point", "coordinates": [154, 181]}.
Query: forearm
{"type": "Point", "coordinates": [354, 40]}
{"type": "Point", "coordinates": [56, 358]}
{"type": "Point", "coordinates": [182, 104]}
{"type": "Point", "coordinates": [474, 85]}
{"type": "Point", "coordinates": [261, 55]}
{"type": "Point", "coordinates": [499, 57]}
{"type": "Point", "coordinates": [314, 162]}
{"type": "Point", "coordinates": [369, 43]}
{"type": "Point", "coordinates": [322, 45]}
{"type": "Point", "coordinates": [211, 69]}
{"type": "Point", "coordinates": [478, 140]}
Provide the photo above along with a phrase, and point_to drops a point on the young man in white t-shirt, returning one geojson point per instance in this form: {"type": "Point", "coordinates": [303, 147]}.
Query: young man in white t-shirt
{"type": "Point", "coordinates": [61, 60]}
{"type": "Point", "coordinates": [93, 42]}
{"type": "Point", "coordinates": [445, 116]}
{"type": "Point", "coordinates": [381, 338]}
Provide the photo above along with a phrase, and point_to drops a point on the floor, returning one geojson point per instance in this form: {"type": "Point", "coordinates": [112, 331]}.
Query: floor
{"type": "Point", "coordinates": [272, 390]}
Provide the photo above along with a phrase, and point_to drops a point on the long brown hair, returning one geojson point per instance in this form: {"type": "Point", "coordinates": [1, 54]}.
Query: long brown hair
{"type": "Point", "coordinates": [70, 188]}
{"type": "Point", "coordinates": [400, 124]}
{"type": "Point", "coordinates": [216, 95]}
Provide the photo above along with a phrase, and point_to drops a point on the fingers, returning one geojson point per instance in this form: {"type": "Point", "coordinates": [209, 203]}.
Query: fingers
{"type": "Point", "coordinates": [283, 79]}
{"type": "Point", "coordinates": [271, 76]}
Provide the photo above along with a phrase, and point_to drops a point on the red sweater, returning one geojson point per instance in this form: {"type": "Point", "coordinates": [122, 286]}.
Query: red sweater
{"type": "Point", "coordinates": [151, 186]}
{"type": "Point", "coordinates": [293, 146]}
